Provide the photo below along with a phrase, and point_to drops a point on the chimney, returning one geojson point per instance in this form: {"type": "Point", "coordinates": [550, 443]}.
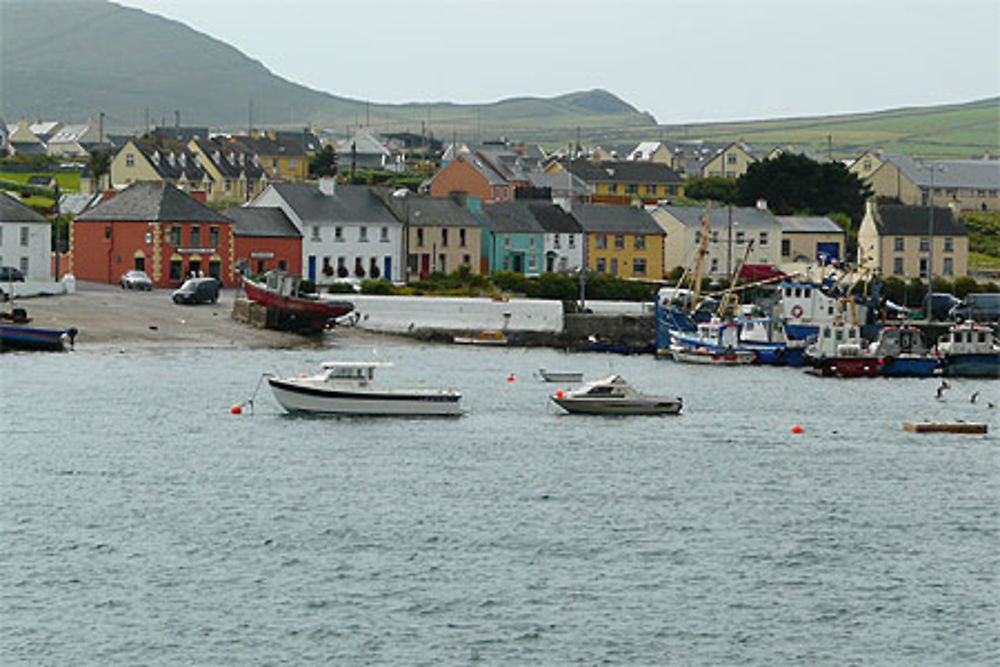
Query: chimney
{"type": "Point", "coordinates": [762, 204]}
{"type": "Point", "coordinates": [327, 186]}
{"type": "Point", "coordinates": [870, 207]}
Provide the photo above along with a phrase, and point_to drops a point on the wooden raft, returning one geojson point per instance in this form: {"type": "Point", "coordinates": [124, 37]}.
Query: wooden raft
{"type": "Point", "coordinates": [945, 427]}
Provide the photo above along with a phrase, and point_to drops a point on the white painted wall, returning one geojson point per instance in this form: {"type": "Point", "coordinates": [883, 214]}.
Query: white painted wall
{"type": "Point", "coordinates": [397, 314]}
{"type": "Point", "coordinates": [568, 257]}
{"type": "Point", "coordinates": [37, 251]}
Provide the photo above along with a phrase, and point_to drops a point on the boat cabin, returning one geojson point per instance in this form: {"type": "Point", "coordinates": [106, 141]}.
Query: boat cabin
{"type": "Point", "coordinates": [763, 330]}
{"type": "Point", "coordinates": [284, 284]}
{"type": "Point", "coordinates": [967, 338]}
{"type": "Point", "coordinates": [363, 371]}
{"type": "Point", "coordinates": [837, 339]}
{"type": "Point", "coordinates": [900, 341]}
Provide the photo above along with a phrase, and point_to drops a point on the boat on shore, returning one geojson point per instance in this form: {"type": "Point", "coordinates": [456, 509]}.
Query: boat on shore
{"type": "Point", "coordinates": [348, 388]}
{"type": "Point", "coordinates": [294, 310]}
{"type": "Point", "coordinates": [614, 396]}
{"type": "Point", "coordinates": [487, 337]}
{"type": "Point", "coordinates": [16, 334]}
{"type": "Point", "coordinates": [969, 349]}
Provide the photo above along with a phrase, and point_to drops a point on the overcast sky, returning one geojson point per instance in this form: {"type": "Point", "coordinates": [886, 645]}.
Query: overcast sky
{"type": "Point", "coordinates": [682, 60]}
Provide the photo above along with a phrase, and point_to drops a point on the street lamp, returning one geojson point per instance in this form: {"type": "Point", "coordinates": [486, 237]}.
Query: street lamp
{"type": "Point", "coordinates": [931, 167]}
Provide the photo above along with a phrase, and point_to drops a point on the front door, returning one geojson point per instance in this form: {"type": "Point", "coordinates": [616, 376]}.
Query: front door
{"type": "Point", "coordinates": [425, 265]}
{"type": "Point", "coordinates": [387, 271]}
{"type": "Point", "coordinates": [312, 268]}
{"type": "Point", "coordinates": [518, 263]}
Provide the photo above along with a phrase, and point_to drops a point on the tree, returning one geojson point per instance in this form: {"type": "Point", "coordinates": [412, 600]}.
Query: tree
{"type": "Point", "coordinates": [716, 189]}
{"type": "Point", "coordinates": [797, 184]}
{"type": "Point", "coordinates": [324, 163]}
{"type": "Point", "coordinates": [99, 164]}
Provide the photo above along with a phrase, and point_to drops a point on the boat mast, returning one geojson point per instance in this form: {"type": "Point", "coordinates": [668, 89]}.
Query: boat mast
{"type": "Point", "coordinates": [730, 291]}
{"type": "Point", "coordinates": [700, 258]}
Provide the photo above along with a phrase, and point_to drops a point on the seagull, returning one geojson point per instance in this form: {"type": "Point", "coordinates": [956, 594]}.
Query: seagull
{"type": "Point", "coordinates": [940, 389]}
{"type": "Point", "coordinates": [975, 395]}
{"type": "Point", "coordinates": [991, 405]}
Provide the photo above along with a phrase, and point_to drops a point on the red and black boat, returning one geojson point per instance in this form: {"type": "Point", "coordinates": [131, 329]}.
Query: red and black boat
{"type": "Point", "coordinates": [288, 308]}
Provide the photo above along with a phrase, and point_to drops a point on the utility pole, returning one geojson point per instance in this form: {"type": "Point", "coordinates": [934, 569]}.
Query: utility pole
{"type": "Point", "coordinates": [100, 127]}
{"type": "Point", "coordinates": [58, 232]}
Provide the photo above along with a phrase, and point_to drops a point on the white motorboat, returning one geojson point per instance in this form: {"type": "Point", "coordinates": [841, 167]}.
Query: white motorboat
{"type": "Point", "coordinates": [569, 377]}
{"type": "Point", "coordinates": [614, 396]}
{"type": "Point", "coordinates": [712, 356]}
{"type": "Point", "coordinates": [347, 388]}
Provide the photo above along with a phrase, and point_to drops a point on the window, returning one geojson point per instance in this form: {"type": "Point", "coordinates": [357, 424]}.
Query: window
{"type": "Point", "coordinates": [293, 163]}
{"type": "Point", "coordinates": [638, 266]}
{"type": "Point", "coordinates": [420, 237]}
{"type": "Point", "coordinates": [213, 236]}
{"type": "Point", "coordinates": [786, 247]}
{"type": "Point", "coordinates": [572, 240]}
{"type": "Point", "coordinates": [24, 265]}
{"type": "Point", "coordinates": [384, 235]}
{"type": "Point", "coordinates": [631, 189]}
{"type": "Point", "coordinates": [898, 244]}
{"type": "Point", "coordinates": [949, 244]}
{"type": "Point", "coordinates": [867, 166]}
{"type": "Point", "coordinates": [461, 238]}
{"type": "Point", "coordinates": [763, 239]}
{"type": "Point", "coordinates": [129, 160]}
{"type": "Point", "coordinates": [715, 236]}
{"type": "Point", "coordinates": [740, 237]}
{"type": "Point", "coordinates": [531, 242]}
{"type": "Point", "coordinates": [555, 241]}
{"type": "Point", "coordinates": [619, 241]}
{"type": "Point", "coordinates": [175, 269]}
{"type": "Point", "coordinates": [229, 185]}
{"type": "Point", "coordinates": [651, 189]}
{"type": "Point", "coordinates": [715, 265]}
{"type": "Point", "coordinates": [923, 267]}
{"type": "Point", "coordinates": [467, 260]}
{"type": "Point", "coordinates": [949, 266]}
{"type": "Point", "coordinates": [601, 241]}
{"type": "Point", "coordinates": [506, 240]}
{"type": "Point", "coordinates": [614, 266]}
{"type": "Point", "coordinates": [316, 236]}
{"type": "Point", "coordinates": [730, 158]}
{"type": "Point", "coordinates": [149, 237]}
{"type": "Point", "coordinates": [897, 266]}
{"type": "Point", "coordinates": [444, 237]}
{"type": "Point", "coordinates": [25, 235]}
{"type": "Point", "coordinates": [363, 234]}
{"type": "Point", "coordinates": [613, 188]}
{"type": "Point", "coordinates": [175, 237]}
{"type": "Point", "coordinates": [107, 233]}
{"type": "Point", "coordinates": [640, 242]}
{"type": "Point", "coordinates": [338, 234]}
{"type": "Point", "coordinates": [924, 244]}
{"type": "Point", "coordinates": [600, 265]}
{"type": "Point", "coordinates": [195, 236]}
{"type": "Point", "coordinates": [282, 265]}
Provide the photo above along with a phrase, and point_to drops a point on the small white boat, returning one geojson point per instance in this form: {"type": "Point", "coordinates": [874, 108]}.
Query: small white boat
{"type": "Point", "coordinates": [347, 388]}
{"type": "Point", "coordinates": [570, 377]}
{"type": "Point", "coordinates": [488, 337]}
{"type": "Point", "coordinates": [712, 356]}
{"type": "Point", "coordinates": [614, 396]}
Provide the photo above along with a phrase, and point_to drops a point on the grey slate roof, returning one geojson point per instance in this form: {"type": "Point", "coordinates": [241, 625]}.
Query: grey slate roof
{"type": "Point", "coordinates": [554, 220]}
{"type": "Point", "coordinates": [11, 210]}
{"type": "Point", "coordinates": [438, 211]}
{"type": "Point", "coordinates": [349, 203]}
{"type": "Point", "coordinates": [793, 224]}
{"type": "Point", "coordinates": [893, 220]}
{"type": "Point", "coordinates": [950, 173]}
{"type": "Point", "coordinates": [231, 159]}
{"type": "Point", "coordinates": [746, 216]}
{"type": "Point", "coordinates": [153, 202]}
{"type": "Point", "coordinates": [261, 221]}
{"type": "Point", "coordinates": [560, 183]}
{"type": "Point", "coordinates": [598, 218]}
{"type": "Point", "coordinates": [624, 171]}
{"type": "Point", "coordinates": [511, 218]}
{"type": "Point", "coordinates": [171, 160]}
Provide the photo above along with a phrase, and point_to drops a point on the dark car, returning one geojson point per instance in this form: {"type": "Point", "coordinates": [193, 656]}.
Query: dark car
{"type": "Point", "coordinates": [136, 279]}
{"type": "Point", "coordinates": [942, 304]}
{"type": "Point", "coordinates": [11, 274]}
{"type": "Point", "coordinates": [981, 307]}
{"type": "Point", "coordinates": [197, 290]}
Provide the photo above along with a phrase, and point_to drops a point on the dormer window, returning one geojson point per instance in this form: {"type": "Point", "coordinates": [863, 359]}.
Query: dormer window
{"type": "Point", "coordinates": [156, 159]}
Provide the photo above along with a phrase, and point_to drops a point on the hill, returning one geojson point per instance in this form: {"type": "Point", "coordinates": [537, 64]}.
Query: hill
{"type": "Point", "coordinates": [72, 59]}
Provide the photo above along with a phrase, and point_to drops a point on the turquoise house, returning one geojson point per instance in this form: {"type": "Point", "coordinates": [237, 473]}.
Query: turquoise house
{"type": "Point", "coordinates": [512, 239]}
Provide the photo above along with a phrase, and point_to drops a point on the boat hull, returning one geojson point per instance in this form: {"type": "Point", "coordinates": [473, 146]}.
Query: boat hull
{"type": "Point", "coordinates": [971, 365]}
{"type": "Point", "coordinates": [299, 313]}
{"type": "Point", "coordinates": [300, 399]}
{"type": "Point", "coordinates": [708, 357]}
{"type": "Point", "coordinates": [558, 376]}
{"type": "Point", "coordinates": [14, 337]}
{"type": "Point", "coordinates": [590, 406]}
{"type": "Point", "coordinates": [910, 366]}
{"type": "Point", "coordinates": [847, 367]}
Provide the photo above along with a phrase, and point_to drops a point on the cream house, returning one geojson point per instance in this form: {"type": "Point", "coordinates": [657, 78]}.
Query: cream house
{"type": "Point", "coordinates": [730, 162]}
{"type": "Point", "coordinates": [731, 232]}
{"type": "Point", "coordinates": [811, 239]}
{"type": "Point", "coordinates": [971, 185]}
{"type": "Point", "coordinates": [163, 162]}
{"type": "Point", "coordinates": [893, 241]}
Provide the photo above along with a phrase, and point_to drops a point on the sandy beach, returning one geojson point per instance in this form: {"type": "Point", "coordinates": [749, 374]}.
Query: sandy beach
{"type": "Point", "coordinates": [108, 316]}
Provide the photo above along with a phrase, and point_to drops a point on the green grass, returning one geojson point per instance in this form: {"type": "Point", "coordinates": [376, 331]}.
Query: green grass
{"type": "Point", "coordinates": [69, 181]}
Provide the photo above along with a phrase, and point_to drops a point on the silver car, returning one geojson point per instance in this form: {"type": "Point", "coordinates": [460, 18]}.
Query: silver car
{"type": "Point", "coordinates": [136, 279]}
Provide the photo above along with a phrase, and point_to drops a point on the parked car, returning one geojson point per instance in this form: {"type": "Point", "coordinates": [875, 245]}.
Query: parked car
{"type": "Point", "coordinates": [11, 274]}
{"type": "Point", "coordinates": [136, 279]}
{"type": "Point", "coordinates": [941, 305]}
{"type": "Point", "coordinates": [197, 290]}
{"type": "Point", "coordinates": [981, 307]}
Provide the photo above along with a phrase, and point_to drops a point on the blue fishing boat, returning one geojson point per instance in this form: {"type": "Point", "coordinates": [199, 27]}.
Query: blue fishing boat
{"type": "Point", "coordinates": [969, 349]}
{"type": "Point", "coordinates": [15, 334]}
{"type": "Point", "coordinates": [762, 337]}
{"type": "Point", "coordinates": [904, 353]}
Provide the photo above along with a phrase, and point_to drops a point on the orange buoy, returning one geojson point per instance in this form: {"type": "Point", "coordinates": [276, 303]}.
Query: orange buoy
{"type": "Point", "coordinates": [559, 394]}
{"type": "Point", "coordinates": [236, 409]}
{"type": "Point", "coordinates": [796, 429]}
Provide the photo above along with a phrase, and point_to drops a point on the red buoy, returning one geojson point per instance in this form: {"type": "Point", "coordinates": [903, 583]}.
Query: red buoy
{"type": "Point", "coordinates": [510, 378]}
{"type": "Point", "coordinates": [236, 409]}
{"type": "Point", "coordinates": [559, 394]}
{"type": "Point", "coordinates": [796, 429]}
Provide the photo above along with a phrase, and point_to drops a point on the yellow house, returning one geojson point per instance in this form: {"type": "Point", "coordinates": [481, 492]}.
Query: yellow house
{"type": "Point", "coordinates": [622, 241]}
{"type": "Point", "coordinates": [236, 174]}
{"type": "Point", "coordinates": [893, 241]}
{"type": "Point", "coordinates": [625, 181]}
{"type": "Point", "coordinates": [730, 162]}
{"type": "Point", "coordinates": [165, 162]}
{"type": "Point", "coordinates": [867, 163]}
{"type": "Point", "coordinates": [284, 156]}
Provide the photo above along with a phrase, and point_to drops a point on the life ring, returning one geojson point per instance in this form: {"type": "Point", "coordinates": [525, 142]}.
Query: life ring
{"type": "Point", "coordinates": [796, 311]}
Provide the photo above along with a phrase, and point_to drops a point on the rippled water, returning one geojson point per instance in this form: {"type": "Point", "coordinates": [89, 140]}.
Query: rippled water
{"type": "Point", "coordinates": [144, 524]}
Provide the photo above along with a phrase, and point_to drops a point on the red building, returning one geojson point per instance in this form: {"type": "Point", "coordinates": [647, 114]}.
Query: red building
{"type": "Point", "coordinates": [156, 228]}
{"type": "Point", "coordinates": [266, 239]}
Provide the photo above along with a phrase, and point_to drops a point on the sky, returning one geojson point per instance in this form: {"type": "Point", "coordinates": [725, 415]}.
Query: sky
{"type": "Point", "coordinates": [684, 61]}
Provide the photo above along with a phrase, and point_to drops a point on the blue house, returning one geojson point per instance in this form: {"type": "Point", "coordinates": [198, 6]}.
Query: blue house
{"type": "Point", "coordinates": [513, 239]}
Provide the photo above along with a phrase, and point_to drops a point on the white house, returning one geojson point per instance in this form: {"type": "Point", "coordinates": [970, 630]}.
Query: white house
{"type": "Point", "coordinates": [347, 231]}
{"type": "Point", "coordinates": [25, 240]}
{"type": "Point", "coordinates": [564, 239]}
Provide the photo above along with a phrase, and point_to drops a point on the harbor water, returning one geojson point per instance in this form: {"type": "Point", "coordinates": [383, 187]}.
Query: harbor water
{"type": "Point", "coordinates": [142, 523]}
